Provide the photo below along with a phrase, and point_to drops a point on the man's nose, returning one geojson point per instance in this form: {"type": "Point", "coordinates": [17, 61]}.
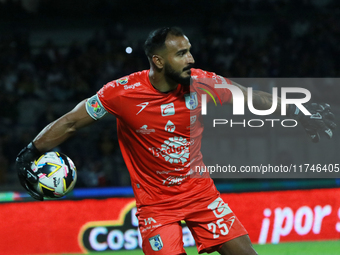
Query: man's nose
{"type": "Point", "coordinates": [191, 59]}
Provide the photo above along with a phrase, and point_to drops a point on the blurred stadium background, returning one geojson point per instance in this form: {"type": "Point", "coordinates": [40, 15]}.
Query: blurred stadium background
{"type": "Point", "coordinates": [53, 54]}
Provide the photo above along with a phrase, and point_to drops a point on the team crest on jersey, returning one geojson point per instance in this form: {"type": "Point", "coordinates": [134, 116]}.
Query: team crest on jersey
{"type": "Point", "coordinates": [156, 242]}
{"type": "Point", "coordinates": [123, 81]}
{"type": "Point", "coordinates": [191, 101]}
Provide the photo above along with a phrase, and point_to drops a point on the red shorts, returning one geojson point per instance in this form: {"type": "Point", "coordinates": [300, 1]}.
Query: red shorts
{"type": "Point", "coordinates": [211, 223]}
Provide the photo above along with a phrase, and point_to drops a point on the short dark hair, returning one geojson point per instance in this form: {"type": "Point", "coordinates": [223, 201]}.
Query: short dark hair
{"type": "Point", "coordinates": [156, 39]}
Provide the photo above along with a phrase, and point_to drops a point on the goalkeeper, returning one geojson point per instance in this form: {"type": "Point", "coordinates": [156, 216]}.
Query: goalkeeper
{"type": "Point", "coordinates": [161, 145]}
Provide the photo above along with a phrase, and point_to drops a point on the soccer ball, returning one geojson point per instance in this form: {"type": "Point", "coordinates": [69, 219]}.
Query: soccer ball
{"type": "Point", "coordinates": [57, 174]}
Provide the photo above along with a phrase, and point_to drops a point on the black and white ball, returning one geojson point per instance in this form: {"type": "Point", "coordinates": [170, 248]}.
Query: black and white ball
{"type": "Point", "coordinates": [57, 174]}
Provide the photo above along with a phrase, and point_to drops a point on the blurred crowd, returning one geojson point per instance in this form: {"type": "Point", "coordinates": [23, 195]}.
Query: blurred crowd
{"type": "Point", "coordinates": [45, 81]}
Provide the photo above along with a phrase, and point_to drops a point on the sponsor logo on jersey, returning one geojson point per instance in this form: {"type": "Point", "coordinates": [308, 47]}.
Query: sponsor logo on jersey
{"type": "Point", "coordinates": [170, 127]}
{"type": "Point", "coordinates": [191, 101]}
{"type": "Point", "coordinates": [174, 150]}
{"type": "Point", "coordinates": [112, 84]}
{"type": "Point", "coordinates": [177, 180]}
{"type": "Point", "coordinates": [144, 130]}
{"type": "Point", "coordinates": [143, 105]}
{"type": "Point", "coordinates": [132, 86]}
{"type": "Point", "coordinates": [193, 119]}
{"type": "Point", "coordinates": [123, 81]}
{"type": "Point", "coordinates": [219, 208]}
{"type": "Point", "coordinates": [168, 109]}
{"type": "Point", "coordinates": [170, 171]}
{"type": "Point", "coordinates": [156, 242]}
{"type": "Point", "coordinates": [149, 221]}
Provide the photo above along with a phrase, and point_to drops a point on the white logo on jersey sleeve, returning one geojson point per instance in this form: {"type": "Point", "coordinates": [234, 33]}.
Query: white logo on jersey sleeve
{"type": "Point", "coordinates": [95, 108]}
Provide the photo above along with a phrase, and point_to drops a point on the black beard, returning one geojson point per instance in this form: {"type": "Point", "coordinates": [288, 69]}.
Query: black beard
{"type": "Point", "coordinates": [176, 76]}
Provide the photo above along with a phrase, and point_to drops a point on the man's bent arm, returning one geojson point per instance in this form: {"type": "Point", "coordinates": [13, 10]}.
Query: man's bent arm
{"type": "Point", "coordinates": [61, 129]}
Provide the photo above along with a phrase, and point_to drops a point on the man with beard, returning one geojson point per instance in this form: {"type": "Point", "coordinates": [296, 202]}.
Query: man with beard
{"type": "Point", "coordinates": [160, 134]}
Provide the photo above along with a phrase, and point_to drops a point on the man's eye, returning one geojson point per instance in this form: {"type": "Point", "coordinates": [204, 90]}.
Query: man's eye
{"type": "Point", "coordinates": [182, 53]}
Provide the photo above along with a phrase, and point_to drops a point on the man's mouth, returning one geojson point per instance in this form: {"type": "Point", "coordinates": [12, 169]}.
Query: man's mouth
{"type": "Point", "coordinates": [188, 70]}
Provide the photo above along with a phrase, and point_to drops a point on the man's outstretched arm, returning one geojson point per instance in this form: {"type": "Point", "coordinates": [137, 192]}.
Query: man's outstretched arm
{"type": "Point", "coordinates": [61, 129]}
{"type": "Point", "coordinates": [321, 120]}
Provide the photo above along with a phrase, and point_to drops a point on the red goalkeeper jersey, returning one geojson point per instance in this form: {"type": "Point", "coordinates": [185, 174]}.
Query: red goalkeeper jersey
{"type": "Point", "coordinates": [160, 137]}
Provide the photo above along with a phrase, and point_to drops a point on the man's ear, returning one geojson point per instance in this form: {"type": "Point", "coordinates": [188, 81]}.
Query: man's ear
{"type": "Point", "coordinates": [158, 61]}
